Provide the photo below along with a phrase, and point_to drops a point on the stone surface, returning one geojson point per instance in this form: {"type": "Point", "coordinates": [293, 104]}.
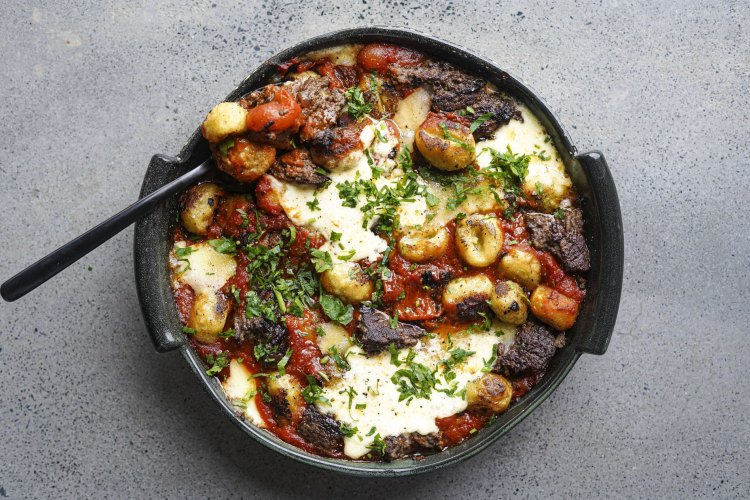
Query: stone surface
{"type": "Point", "coordinates": [92, 90]}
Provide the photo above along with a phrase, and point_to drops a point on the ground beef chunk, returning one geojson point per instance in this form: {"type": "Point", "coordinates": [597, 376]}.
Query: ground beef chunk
{"type": "Point", "coordinates": [297, 166]}
{"type": "Point", "coordinates": [280, 406]}
{"type": "Point", "coordinates": [320, 104]}
{"type": "Point", "coordinates": [407, 445]}
{"type": "Point", "coordinates": [330, 146]}
{"type": "Point", "coordinates": [454, 90]}
{"type": "Point", "coordinates": [530, 353]}
{"type": "Point", "coordinates": [321, 430]}
{"type": "Point", "coordinates": [472, 309]}
{"type": "Point", "coordinates": [374, 332]}
{"type": "Point", "coordinates": [502, 108]}
{"type": "Point", "coordinates": [435, 277]}
{"type": "Point", "coordinates": [561, 237]}
{"type": "Point", "coordinates": [273, 337]}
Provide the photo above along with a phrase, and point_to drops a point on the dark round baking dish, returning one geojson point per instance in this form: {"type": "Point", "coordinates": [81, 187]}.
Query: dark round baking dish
{"type": "Point", "coordinates": [603, 226]}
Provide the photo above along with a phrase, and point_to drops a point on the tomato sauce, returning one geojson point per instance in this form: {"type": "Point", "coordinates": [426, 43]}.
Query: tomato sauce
{"type": "Point", "coordinates": [306, 354]}
{"type": "Point", "coordinates": [457, 428]}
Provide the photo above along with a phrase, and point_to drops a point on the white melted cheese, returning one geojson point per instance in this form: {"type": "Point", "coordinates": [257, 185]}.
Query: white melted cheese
{"type": "Point", "coordinates": [332, 215]}
{"type": "Point", "coordinates": [240, 390]}
{"type": "Point", "coordinates": [370, 379]}
{"type": "Point", "coordinates": [205, 269]}
{"type": "Point", "coordinates": [528, 137]}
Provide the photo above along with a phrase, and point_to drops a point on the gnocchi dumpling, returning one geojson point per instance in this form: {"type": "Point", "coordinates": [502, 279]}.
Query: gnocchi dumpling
{"type": "Point", "coordinates": [552, 307]}
{"type": "Point", "coordinates": [348, 281]}
{"type": "Point", "coordinates": [420, 246]}
{"type": "Point", "coordinates": [199, 207]}
{"type": "Point", "coordinates": [208, 315]}
{"type": "Point", "coordinates": [445, 143]}
{"type": "Point", "coordinates": [479, 239]}
{"type": "Point", "coordinates": [522, 267]}
{"type": "Point", "coordinates": [509, 303]}
{"type": "Point", "coordinates": [491, 392]}
{"type": "Point", "coordinates": [226, 118]}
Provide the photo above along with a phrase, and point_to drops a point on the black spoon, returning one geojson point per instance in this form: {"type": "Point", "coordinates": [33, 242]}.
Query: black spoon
{"type": "Point", "coordinates": [48, 266]}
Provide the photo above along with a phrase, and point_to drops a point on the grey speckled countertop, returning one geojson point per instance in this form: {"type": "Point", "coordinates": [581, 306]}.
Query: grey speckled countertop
{"type": "Point", "coordinates": [90, 90]}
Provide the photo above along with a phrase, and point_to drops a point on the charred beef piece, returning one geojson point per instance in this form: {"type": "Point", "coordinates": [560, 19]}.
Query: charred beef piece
{"type": "Point", "coordinates": [454, 90]}
{"type": "Point", "coordinates": [374, 332]}
{"type": "Point", "coordinates": [321, 430]}
{"type": "Point", "coordinates": [530, 353]}
{"type": "Point", "coordinates": [320, 104]}
{"type": "Point", "coordinates": [280, 406]}
{"type": "Point", "coordinates": [472, 308]}
{"type": "Point", "coordinates": [502, 108]}
{"type": "Point", "coordinates": [297, 166]}
{"type": "Point", "coordinates": [435, 277]}
{"type": "Point", "coordinates": [562, 238]}
{"type": "Point", "coordinates": [273, 337]}
{"type": "Point", "coordinates": [328, 147]}
{"type": "Point", "coordinates": [407, 445]}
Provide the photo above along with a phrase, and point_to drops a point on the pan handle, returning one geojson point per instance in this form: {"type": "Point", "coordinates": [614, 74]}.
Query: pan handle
{"type": "Point", "coordinates": [594, 340]}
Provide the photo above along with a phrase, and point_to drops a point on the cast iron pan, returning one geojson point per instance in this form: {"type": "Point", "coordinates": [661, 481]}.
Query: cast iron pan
{"type": "Point", "coordinates": [603, 227]}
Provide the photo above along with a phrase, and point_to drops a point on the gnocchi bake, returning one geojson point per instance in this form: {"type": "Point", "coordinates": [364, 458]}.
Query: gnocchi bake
{"type": "Point", "coordinates": [387, 258]}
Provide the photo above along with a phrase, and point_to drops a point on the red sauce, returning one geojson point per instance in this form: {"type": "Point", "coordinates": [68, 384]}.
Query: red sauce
{"type": "Point", "coordinates": [306, 354]}
{"type": "Point", "coordinates": [554, 276]}
{"type": "Point", "coordinates": [524, 384]}
{"type": "Point", "coordinates": [457, 428]}
{"type": "Point", "coordinates": [184, 297]}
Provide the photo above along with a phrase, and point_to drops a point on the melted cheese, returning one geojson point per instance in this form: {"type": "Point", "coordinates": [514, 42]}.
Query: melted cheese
{"type": "Point", "coordinates": [528, 137]}
{"type": "Point", "coordinates": [411, 112]}
{"type": "Point", "coordinates": [205, 269]}
{"type": "Point", "coordinates": [370, 379]}
{"type": "Point", "coordinates": [240, 389]}
{"type": "Point", "coordinates": [332, 215]}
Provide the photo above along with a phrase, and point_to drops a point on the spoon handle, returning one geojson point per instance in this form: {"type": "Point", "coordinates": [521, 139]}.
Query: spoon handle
{"type": "Point", "coordinates": [48, 266]}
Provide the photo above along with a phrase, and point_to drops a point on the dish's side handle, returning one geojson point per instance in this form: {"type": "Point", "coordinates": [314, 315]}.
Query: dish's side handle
{"type": "Point", "coordinates": [596, 339]}
{"type": "Point", "coordinates": [151, 269]}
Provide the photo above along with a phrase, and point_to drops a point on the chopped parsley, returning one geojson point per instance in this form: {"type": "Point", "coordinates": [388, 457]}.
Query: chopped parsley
{"type": "Point", "coordinates": [182, 254]}
{"type": "Point", "coordinates": [218, 362]}
{"type": "Point", "coordinates": [224, 245]}
{"type": "Point", "coordinates": [321, 260]}
{"type": "Point", "coordinates": [347, 431]}
{"type": "Point", "coordinates": [340, 361]}
{"type": "Point", "coordinates": [313, 205]}
{"type": "Point", "coordinates": [281, 365]}
{"type": "Point", "coordinates": [414, 381]}
{"type": "Point", "coordinates": [455, 140]}
{"type": "Point", "coordinates": [378, 445]}
{"type": "Point", "coordinates": [189, 331]}
{"type": "Point", "coordinates": [355, 103]}
{"type": "Point", "coordinates": [347, 256]}
{"type": "Point", "coordinates": [225, 146]}
{"type": "Point", "coordinates": [479, 121]}
{"type": "Point", "coordinates": [313, 393]}
{"type": "Point", "coordinates": [228, 334]}
{"type": "Point", "coordinates": [490, 363]}
{"type": "Point", "coordinates": [335, 309]}
{"type": "Point", "coordinates": [245, 219]}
